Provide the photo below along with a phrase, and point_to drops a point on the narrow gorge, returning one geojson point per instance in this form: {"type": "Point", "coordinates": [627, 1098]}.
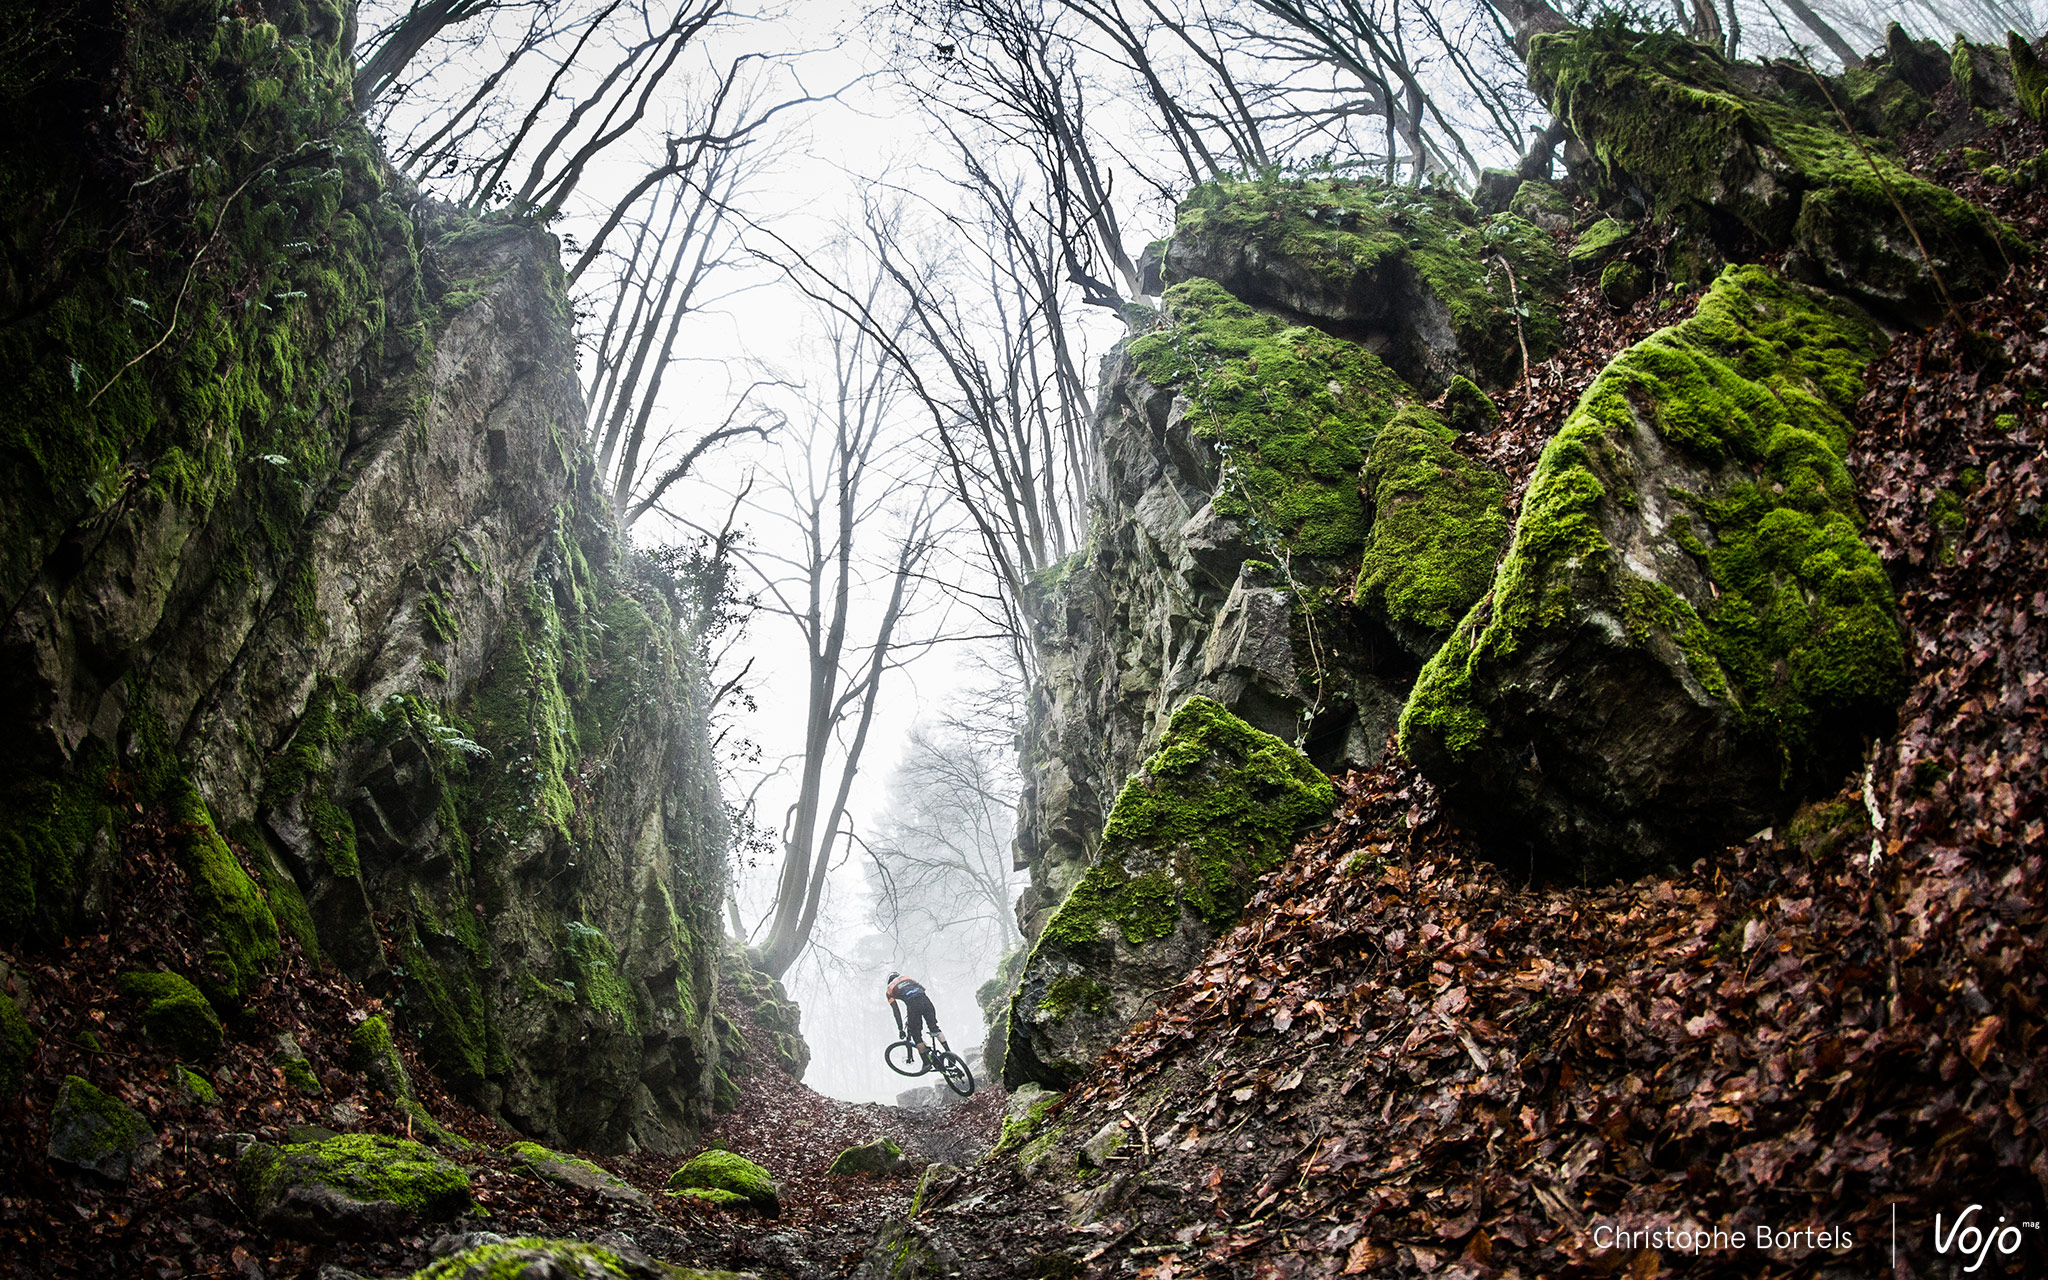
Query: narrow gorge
{"type": "Point", "coordinates": [1542, 732]}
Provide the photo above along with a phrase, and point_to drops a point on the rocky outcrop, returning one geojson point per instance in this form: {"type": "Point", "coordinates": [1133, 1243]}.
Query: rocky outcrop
{"type": "Point", "coordinates": [1233, 526]}
{"type": "Point", "coordinates": [1687, 630]}
{"type": "Point", "coordinates": [1217, 805]}
{"type": "Point", "coordinates": [303, 559]}
{"type": "Point", "coordinates": [1743, 156]}
{"type": "Point", "coordinates": [354, 1187]}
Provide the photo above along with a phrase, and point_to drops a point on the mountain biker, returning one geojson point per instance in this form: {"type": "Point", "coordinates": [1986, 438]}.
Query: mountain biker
{"type": "Point", "coordinates": [911, 992]}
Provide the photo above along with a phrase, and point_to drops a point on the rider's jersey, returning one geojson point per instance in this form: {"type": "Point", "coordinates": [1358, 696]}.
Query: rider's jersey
{"type": "Point", "coordinates": [904, 988]}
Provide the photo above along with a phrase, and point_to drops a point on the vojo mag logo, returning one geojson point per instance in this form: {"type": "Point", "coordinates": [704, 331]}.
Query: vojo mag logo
{"type": "Point", "coordinates": [1970, 1238]}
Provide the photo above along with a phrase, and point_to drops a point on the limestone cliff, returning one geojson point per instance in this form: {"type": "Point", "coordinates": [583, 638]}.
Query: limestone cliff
{"type": "Point", "coordinates": [301, 548]}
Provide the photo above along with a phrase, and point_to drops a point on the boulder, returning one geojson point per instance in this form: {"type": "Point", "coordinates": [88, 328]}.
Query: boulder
{"type": "Point", "coordinates": [902, 1252]}
{"type": "Point", "coordinates": [880, 1156]}
{"type": "Point", "coordinates": [356, 1187]}
{"type": "Point", "coordinates": [730, 1172]}
{"type": "Point", "coordinates": [1688, 631]}
{"type": "Point", "coordinates": [174, 1013]}
{"type": "Point", "coordinates": [287, 1057]}
{"type": "Point", "coordinates": [1218, 804]}
{"type": "Point", "coordinates": [495, 1257]}
{"type": "Point", "coordinates": [96, 1132]}
{"type": "Point", "coordinates": [568, 1171]}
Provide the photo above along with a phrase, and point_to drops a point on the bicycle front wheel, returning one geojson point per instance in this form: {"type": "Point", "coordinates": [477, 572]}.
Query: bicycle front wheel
{"type": "Point", "coordinates": [959, 1078]}
{"type": "Point", "coordinates": [904, 1059]}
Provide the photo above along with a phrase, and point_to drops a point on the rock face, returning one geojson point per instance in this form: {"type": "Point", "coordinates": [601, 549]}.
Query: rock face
{"type": "Point", "coordinates": [1217, 804]}
{"type": "Point", "coordinates": [320, 573]}
{"type": "Point", "coordinates": [1687, 628]}
{"type": "Point", "coordinates": [1233, 523]}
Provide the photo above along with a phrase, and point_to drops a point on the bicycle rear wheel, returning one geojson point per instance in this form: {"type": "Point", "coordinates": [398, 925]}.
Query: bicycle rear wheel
{"type": "Point", "coordinates": [904, 1059]}
{"type": "Point", "coordinates": [959, 1077]}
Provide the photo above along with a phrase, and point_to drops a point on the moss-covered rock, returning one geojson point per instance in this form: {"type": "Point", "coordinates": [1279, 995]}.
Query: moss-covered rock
{"type": "Point", "coordinates": [1541, 204]}
{"type": "Point", "coordinates": [288, 1057]}
{"type": "Point", "coordinates": [95, 1132]}
{"type": "Point", "coordinates": [240, 931]}
{"type": "Point", "coordinates": [1674, 128]}
{"type": "Point", "coordinates": [532, 1257]}
{"type": "Point", "coordinates": [174, 1013]}
{"type": "Point", "coordinates": [881, 1156]}
{"type": "Point", "coordinates": [1599, 243]}
{"type": "Point", "coordinates": [1217, 805]}
{"type": "Point", "coordinates": [763, 996]}
{"type": "Point", "coordinates": [1417, 275]}
{"type": "Point", "coordinates": [1688, 551]}
{"type": "Point", "coordinates": [729, 1171]}
{"type": "Point", "coordinates": [1623, 285]}
{"type": "Point", "coordinates": [1467, 409]}
{"type": "Point", "coordinates": [902, 1252]}
{"type": "Point", "coordinates": [569, 1171]}
{"type": "Point", "coordinates": [17, 1046]}
{"type": "Point", "coordinates": [713, 1196]}
{"type": "Point", "coordinates": [357, 1186]}
{"type": "Point", "coordinates": [371, 1051]}
{"type": "Point", "coordinates": [1439, 522]}
{"type": "Point", "coordinates": [2029, 76]}
{"type": "Point", "coordinates": [194, 1087]}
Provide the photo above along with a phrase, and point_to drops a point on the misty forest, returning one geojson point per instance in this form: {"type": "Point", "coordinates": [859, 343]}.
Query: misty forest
{"type": "Point", "coordinates": [1039, 639]}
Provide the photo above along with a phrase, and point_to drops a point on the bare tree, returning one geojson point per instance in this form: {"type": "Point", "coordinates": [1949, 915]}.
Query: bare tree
{"type": "Point", "coordinates": [940, 862]}
{"type": "Point", "coordinates": [848, 610]}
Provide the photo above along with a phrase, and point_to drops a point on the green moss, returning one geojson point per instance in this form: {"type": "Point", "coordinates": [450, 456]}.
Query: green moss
{"type": "Point", "coordinates": [1291, 410]}
{"type": "Point", "coordinates": [174, 1013]}
{"type": "Point", "coordinates": [550, 1165]}
{"type": "Point", "coordinates": [1623, 284]}
{"type": "Point", "coordinates": [1536, 198]}
{"type": "Point", "coordinates": [1599, 242]}
{"type": "Point", "coordinates": [728, 1171]}
{"type": "Point", "coordinates": [1666, 118]}
{"type": "Point", "coordinates": [298, 1073]}
{"type": "Point", "coordinates": [88, 1125]}
{"type": "Point", "coordinates": [364, 1167]}
{"type": "Point", "coordinates": [879, 1156]}
{"type": "Point", "coordinates": [2029, 76]}
{"type": "Point", "coordinates": [532, 1256]}
{"type": "Point", "coordinates": [1801, 635]}
{"type": "Point", "coordinates": [17, 1046]}
{"type": "Point", "coordinates": [1352, 238]}
{"type": "Point", "coordinates": [371, 1052]}
{"type": "Point", "coordinates": [287, 904]}
{"type": "Point", "coordinates": [1218, 805]}
{"type": "Point", "coordinates": [46, 826]}
{"type": "Point", "coordinates": [240, 930]}
{"type": "Point", "coordinates": [1064, 995]}
{"type": "Point", "coordinates": [454, 1033]}
{"type": "Point", "coordinates": [599, 983]}
{"type": "Point", "coordinates": [1467, 409]}
{"type": "Point", "coordinates": [712, 1195]}
{"type": "Point", "coordinates": [1017, 1130]}
{"type": "Point", "coordinates": [1439, 522]}
{"type": "Point", "coordinates": [195, 1087]}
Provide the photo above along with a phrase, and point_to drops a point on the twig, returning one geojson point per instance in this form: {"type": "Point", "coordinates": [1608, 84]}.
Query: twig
{"type": "Point", "coordinates": [1515, 301]}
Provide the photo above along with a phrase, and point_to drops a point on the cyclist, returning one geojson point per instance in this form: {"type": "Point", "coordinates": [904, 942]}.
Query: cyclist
{"type": "Point", "coordinates": [911, 992]}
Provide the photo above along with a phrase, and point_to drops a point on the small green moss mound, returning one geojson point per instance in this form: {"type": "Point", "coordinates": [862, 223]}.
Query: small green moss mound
{"type": "Point", "coordinates": [880, 1156]}
{"type": "Point", "coordinates": [729, 1171]}
{"type": "Point", "coordinates": [1073, 992]}
{"type": "Point", "coordinates": [712, 1195]}
{"type": "Point", "coordinates": [298, 1073]}
{"type": "Point", "coordinates": [532, 1153]}
{"type": "Point", "coordinates": [1439, 522]}
{"type": "Point", "coordinates": [598, 980]}
{"type": "Point", "coordinates": [1217, 805]}
{"type": "Point", "coordinates": [1799, 635]}
{"type": "Point", "coordinates": [371, 1052]}
{"type": "Point", "coordinates": [17, 1046]}
{"type": "Point", "coordinates": [1623, 284]}
{"type": "Point", "coordinates": [174, 1013]}
{"type": "Point", "coordinates": [1467, 409]}
{"type": "Point", "coordinates": [194, 1086]}
{"type": "Point", "coordinates": [1598, 243]}
{"type": "Point", "coordinates": [1541, 203]}
{"type": "Point", "coordinates": [2029, 76]}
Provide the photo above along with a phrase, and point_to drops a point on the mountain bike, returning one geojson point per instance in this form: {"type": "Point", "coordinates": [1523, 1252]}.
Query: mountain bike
{"type": "Point", "coordinates": [907, 1057]}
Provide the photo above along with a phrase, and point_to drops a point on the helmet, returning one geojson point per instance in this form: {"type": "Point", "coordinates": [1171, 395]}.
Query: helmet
{"type": "Point", "coordinates": [893, 975]}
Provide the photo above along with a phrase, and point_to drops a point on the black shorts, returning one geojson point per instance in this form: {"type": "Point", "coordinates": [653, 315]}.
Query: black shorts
{"type": "Point", "coordinates": [921, 1015]}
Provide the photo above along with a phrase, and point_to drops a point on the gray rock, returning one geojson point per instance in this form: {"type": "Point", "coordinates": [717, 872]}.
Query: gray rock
{"type": "Point", "coordinates": [881, 1156]}
{"type": "Point", "coordinates": [1106, 1142]}
{"type": "Point", "coordinates": [95, 1132]}
{"type": "Point", "coordinates": [902, 1252]}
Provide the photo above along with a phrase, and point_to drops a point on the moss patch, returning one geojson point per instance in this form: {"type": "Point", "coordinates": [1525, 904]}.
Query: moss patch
{"type": "Point", "coordinates": [97, 1131]}
{"type": "Point", "coordinates": [1290, 409]}
{"type": "Point", "coordinates": [362, 1167]}
{"type": "Point", "coordinates": [17, 1046]}
{"type": "Point", "coordinates": [174, 1013]}
{"type": "Point", "coordinates": [1439, 522]}
{"type": "Point", "coordinates": [732, 1172]}
{"type": "Point", "coordinates": [533, 1256]}
{"type": "Point", "coordinates": [1801, 637]}
{"type": "Point", "coordinates": [1352, 241]}
{"type": "Point", "coordinates": [241, 932]}
{"type": "Point", "coordinates": [1218, 805]}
